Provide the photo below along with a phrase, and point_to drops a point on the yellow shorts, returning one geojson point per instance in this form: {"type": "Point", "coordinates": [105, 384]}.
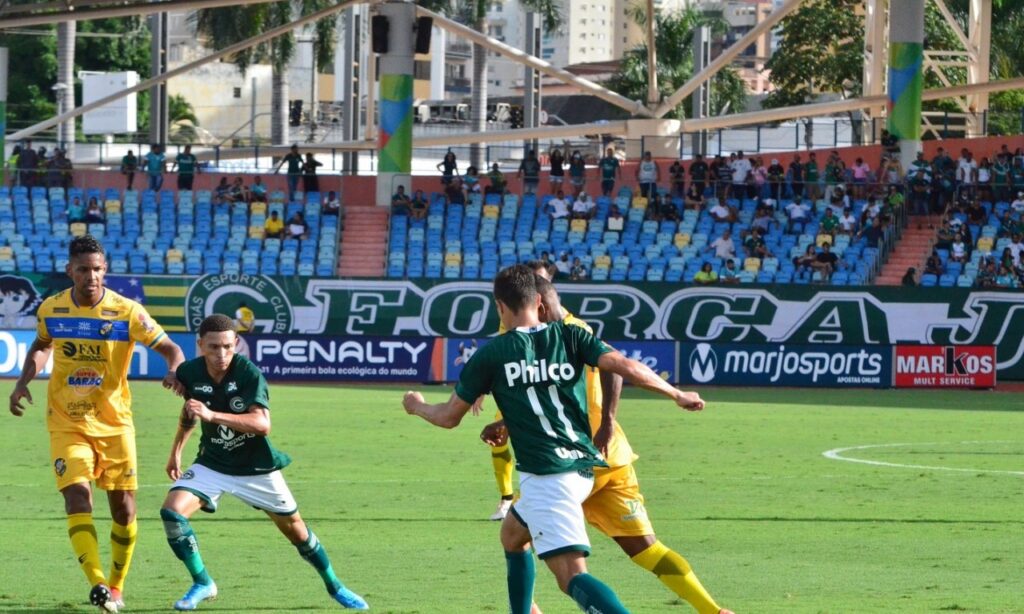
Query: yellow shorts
{"type": "Point", "coordinates": [615, 506]}
{"type": "Point", "coordinates": [78, 458]}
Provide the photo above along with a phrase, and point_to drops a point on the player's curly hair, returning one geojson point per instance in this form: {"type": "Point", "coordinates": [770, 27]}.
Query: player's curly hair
{"type": "Point", "coordinates": [539, 267]}
{"type": "Point", "coordinates": [516, 286]}
{"type": "Point", "coordinates": [85, 244]}
{"type": "Point", "coordinates": [217, 323]}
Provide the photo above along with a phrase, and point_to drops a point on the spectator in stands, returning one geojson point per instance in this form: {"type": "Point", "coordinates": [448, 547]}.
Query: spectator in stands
{"type": "Point", "coordinates": [28, 162]}
{"type": "Point", "coordinates": [668, 211]}
{"type": "Point", "coordinates": [812, 178]}
{"type": "Point", "coordinates": [847, 222]}
{"type": "Point", "coordinates": [563, 266]}
{"type": "Point", "coordinates": [449, 168]}
{"type": "Point", "coordinates": [332, 206]}
{"type": "Point", "coordinates": [754, 245]}
{"type": "Point", "coordinates": [987, 274]}
{"type": "Point", "coordinates": [401, 204]}
{"type": "Point", "coordinates": [274, 226]}
{"type": "Point", "coordinates": [498, 181]}
{"type": "Point", "coordinates": [577, 172]}
{"type": "Point", "coordinates": [909, 278]}
{"type": "Point", "coordinates": [920, 190]}
{"type": "Point", "coordinates": [297, 226]}
{"type": "Point", "coordinates": [741, 168]}
{"type": "Point", "coordinates": [728, 274]}
{"type": "Point", "coordinates": [945, 236]}
{"type": "Point", "coordinates": [294, 161]}
{"type": "Point", "coordinates": [1018, 203]}
{"type": "Point", "coordinates": [186, 163]}
{"type": "Point", "coordinates": [722, 213]}
{"type": "Point", "coordinates": [63, 169]}
{"type": "Point", "coordinates": [239, 193]}
{"type": "Point", "coordinates": [579, 271]}
{"type": "Point", "coordinates": [558, 207]}
{"type": "Point", "coordinates": [1017, 247]}
{"type": "Point", "coordinates": [891, 171]}
{"type": "Point", "coordinates": [129, 164]}
{"type": "Point", "coordinates": [826, 262]}
{"type": "Point", "coordinates": [76, 211]}
{"type": "Point", "coordinates": [615, 220]}
{"type": "Point", "coordinates": [798, 213]}
{"type": "Point", "coordinates": [310, 182]}
{"type": "Point", "coordinates": [776, 175]}
{"type": "Point", "coordinates": [155, 166]}
{"type": "Point", "coordinates": [933, 266]}
{"type": "Point", "coordinates": [222, 193]}
{"type": "Point", "coordinates": [529, 172]}
{"type": "Point", "coordinates": [796, 177]}
{"type": "Point", "coordinates": [890, 144]}
{"type": "Point", "coordinates": [42, 159]}
{"type": "Point", "coordinates": [943, 179]}
{"type": "Point", "coordinates": [557, 173]}
{"type": "Point", "coordinates": [1005, 278]}
{"type": "Point", "coordinates": [1008, 226]}
{"type": "Point", "coordinates": [258, 190]}
{"type": "Point", "coordinates": [966, 173]}
{"type": "Point", "coordinates": [958, 249]}
{"type": "Point", "coordinates": [763, 219]}
{"type": "Point", "coordinates": [1006, 259]}
{"type": "Point", "coordinates": [1002, 174]}
{"type": "Point", "coordinates": [472, 180]}
{"type": "Point", "coordinates": [610, 171]}
{"type": "Point", "coordinates": [706, 275]}
{"type": "Point", "coordinates": [835, 173]}
{"type": "Point", "coordinates": [976, 214]}
{"type": "Point", "coordinates": [12, 165]}
{"type": "Point", "coordinates": [723, 246]}
{"type": "Point", "coordinates": [453, 192]}
{"type": "Point", "coordinates": [94, 213]}
{"type": "Point", "coordinates": [919, 166]}
{"type": "Point", "coordinates": [872, 210]}
{"type": "Point", "coordinates": [647, 176]}
{"type": "Point", "coordinates": [583, 207]}
{"type": "Point", "coordinates": [861, 178]}
{"type": "Point", "coordinates": [677, 179]}
{"type": "Point", "coordinates": [694, 198]}
{"type": "Point", "coordinates": [984, 191]}
{"type": "Point", "coordinates": [894, 200]}
{"type": "Point", "coordinates": [722, 170]}
{"type": "Point", "coordinates": [807, 260]}
{"type": "Point", "coordinates": [699, 175]}
{"type": "Point", "coordinates": [873, 233]}
{"type": "Point", "coordinates": [829, 224]}
{"type": "Point", "coordinates": [758, 179]}
{"type": "Point", "coordinates": [420, 204]}
{"type": "Point", "coordinates": [653, 210]}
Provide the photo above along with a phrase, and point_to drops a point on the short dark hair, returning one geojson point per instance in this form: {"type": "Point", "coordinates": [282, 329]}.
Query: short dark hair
{"type": "Point", "coordinates": [545, 287]}
{"type": "Point", "coordinates": [540, 265]}
{"type": "Point", "coordinates": [516, 286]}
{"type": "Point", "coordinates": [85, 244]}
{"type": "Point", "coordinates": [217, 323]}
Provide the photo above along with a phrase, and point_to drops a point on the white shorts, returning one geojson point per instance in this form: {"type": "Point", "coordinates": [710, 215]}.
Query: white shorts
{"type": "Point", "coordinates": [267, 491]}
{"type": "Point", "coordinates": [551, 507]}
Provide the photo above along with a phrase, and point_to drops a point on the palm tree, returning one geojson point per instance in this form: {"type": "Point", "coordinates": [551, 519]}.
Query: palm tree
{"type": "Point", "coordinates": [474, 14]}
{"type": "Point", "coordinates": [223, 27]}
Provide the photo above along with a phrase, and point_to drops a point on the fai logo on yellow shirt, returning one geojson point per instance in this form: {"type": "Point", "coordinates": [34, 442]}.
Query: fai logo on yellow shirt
{"type": "Point", "coordinates": [82, 351]}
{"type": "Point", "coordinates": [84, 380]}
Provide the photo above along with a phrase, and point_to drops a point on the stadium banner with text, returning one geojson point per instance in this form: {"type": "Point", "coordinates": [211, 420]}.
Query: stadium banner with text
{"type": "Point", "coordinates": [146, 363]}
{"type": "Point", "coordinates": [748, 364]}
{"type": "Point", "coordinates": [326, 358]}
{"type": "Point", "coordinates": [794, 315]}
{"type": "Point", "coordinates": [949, 366]}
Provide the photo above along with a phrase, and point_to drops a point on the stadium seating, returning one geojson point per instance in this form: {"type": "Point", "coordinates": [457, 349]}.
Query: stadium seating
{"type": "Point", "coordinates": [475, 240]}
{"type": "Point", "coordinates": [176, 233]}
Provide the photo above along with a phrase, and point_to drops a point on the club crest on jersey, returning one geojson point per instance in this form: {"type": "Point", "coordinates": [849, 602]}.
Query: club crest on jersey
{"type": "Point", "coordinates": [106, 328]}
{"type": "Point", "coordinates": [236, 404]}
{"type": "Point", "coordinates": [60, 466]}
{"type": "Point", "coordinates": [538, 371]}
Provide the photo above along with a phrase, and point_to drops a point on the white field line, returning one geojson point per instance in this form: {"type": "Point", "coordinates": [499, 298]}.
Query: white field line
{"type": "Point", "coordinates": [837, 454]}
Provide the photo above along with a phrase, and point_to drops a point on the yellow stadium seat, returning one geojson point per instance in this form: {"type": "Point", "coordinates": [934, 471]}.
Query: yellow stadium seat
{"type": "Point", "coordinates": [752, 264]}
{"type": "Point", "coordinates": [256, 232]}
{"type": "Point", "coordinates": [639, 202]}
{"type": "Point", "coordinates": [6, 253]}
{"type": "Point", "coordinates": [492, 211]}
{"type": "Point", "coordinates": [453, 259]}
{"type": "Point", "coordinates": [985, 244]}
{"type": "Point", "coordinates": [604, 261]}
{"type": "Point", "coordinates": [578, 226]}
{"type": "Point", "coordinates": [174, 255]}
{"type": "Point", "coordinates": [682, 239]}
{"type": "Point", "coordinates": [112, 206]}
{"type": "Point", "coordinates": [78, 229]}
{"type": "Point", "coordinates": [258, 208]}
{"type": "Point", "coordinates": [823, 239]}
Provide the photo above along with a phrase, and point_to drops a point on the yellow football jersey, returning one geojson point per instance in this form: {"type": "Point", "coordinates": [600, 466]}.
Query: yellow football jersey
{"type": "Point", "coordinates": [620, 453]}
{"type": "Point", "coordinates": [245, 318]}
{"type": "Point", "coordinates": [92, 350]}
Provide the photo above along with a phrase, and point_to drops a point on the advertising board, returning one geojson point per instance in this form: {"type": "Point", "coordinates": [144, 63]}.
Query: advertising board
{"type": "Point", "coordinates": [949, 366]}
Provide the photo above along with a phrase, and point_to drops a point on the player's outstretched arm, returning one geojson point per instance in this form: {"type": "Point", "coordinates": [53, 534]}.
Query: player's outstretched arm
{"type": "Point", "coordinates": [611, 390]}
{"type": "Point", "coordinates": [256, 420]}
{"type": "Point", "coordinates": [639, 374]}
{"type": "Point", "coordinates": [446, 415]}
{"type": "Point", "coordinates": [35, 361]}
{"type": "Point", "coordinates": [173, 355]}
{"type": "Point", "coordinates": [186, 424]}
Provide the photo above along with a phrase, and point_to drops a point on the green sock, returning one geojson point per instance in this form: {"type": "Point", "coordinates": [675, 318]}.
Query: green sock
{"type": "Point", "coordinates": [592, 595]}
{"type": "Point", "coordinates": [314, 553]}
{"type": "Point", "coordinates": [184, 545]}
{"type": "Point", "coordinates": [521, 573]}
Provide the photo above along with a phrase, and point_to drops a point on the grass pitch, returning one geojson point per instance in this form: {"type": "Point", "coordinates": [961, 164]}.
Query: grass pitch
{"type": "Point", "coordinates": [742, 490]}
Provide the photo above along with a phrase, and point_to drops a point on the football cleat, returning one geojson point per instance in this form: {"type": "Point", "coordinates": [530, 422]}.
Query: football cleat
{"type": "Point", "coordinates": [100, 597]}
{"type": "Point", "coordinates": [195, 595]}
{"type": "Point", "coordinates": [349, 600]}
{"type": "Point", "coordinates": [117, 598]}
{"type": "Point", "coordinates": [504, 505]}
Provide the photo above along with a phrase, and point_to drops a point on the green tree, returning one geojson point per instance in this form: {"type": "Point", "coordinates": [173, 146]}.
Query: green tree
{"type": "Point", "coordinates": [183, 120]}
{"type": "Point", "coordinates": [223, 27]}
{"type": "Point", "coordinates": [673, 45]}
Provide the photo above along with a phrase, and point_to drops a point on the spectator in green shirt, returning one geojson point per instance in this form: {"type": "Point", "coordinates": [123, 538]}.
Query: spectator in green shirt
{"type": "Point", "coordinates": [610, 171]}
{"type": "Point", "coordinates": [129, 164]}
{"type": "Point", "coordinates": [294, 160]}
{"type": "Point", "coordinates": [186, 165]}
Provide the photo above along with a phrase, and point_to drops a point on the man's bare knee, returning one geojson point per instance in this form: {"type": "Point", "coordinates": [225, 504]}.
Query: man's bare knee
{"type": "Point", "coordinates": [77, 498]}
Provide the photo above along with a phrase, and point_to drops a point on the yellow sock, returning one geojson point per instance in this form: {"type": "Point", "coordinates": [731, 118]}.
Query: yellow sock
{"type": "Point", "coordinates": [675, 573]}
{"type": "Point", "coordinates": [87, 548]}
{"type": "Point", "coordinates": [122, 545]}
{"type": "Point", "coordinates": [501, 458]}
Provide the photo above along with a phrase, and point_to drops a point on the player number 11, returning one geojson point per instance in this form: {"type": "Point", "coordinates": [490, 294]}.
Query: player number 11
{"type": "Point", "coordinates": [531, 392]}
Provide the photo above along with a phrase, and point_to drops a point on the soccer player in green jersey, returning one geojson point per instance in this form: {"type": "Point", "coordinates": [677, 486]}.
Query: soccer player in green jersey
{"type": "Point", "coordinates": [536, 373]}
{"type": "Point", "coordinates": [228, 395]}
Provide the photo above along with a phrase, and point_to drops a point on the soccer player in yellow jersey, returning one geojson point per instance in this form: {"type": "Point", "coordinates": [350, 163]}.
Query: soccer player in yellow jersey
{"type": "Point", "coordinates": [615, 506]}
{"type": "Point", "coordinates": [245, 322]}
{"type": "Point", "coordinates": [88, 407]}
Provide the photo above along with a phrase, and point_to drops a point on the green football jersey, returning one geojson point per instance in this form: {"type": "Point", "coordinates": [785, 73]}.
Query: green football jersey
{"type": "Point", "coordinates": [220, 447]}
{"type": "Point", "coordinates": [538, 379]}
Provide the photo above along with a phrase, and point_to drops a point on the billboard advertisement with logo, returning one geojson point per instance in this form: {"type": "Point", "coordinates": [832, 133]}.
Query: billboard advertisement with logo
{"type": "Point", "coordinates": [950, 366]}
{"type": "Point", "coordinates": [146, 363]}
{"type": "Point", "coordinates": [371, 359]}
{"type": "Point", "coordinates": [786, 365]}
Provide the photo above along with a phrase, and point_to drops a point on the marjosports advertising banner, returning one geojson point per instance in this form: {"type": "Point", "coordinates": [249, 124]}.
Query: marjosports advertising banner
{"type": "Point", "coordinates": [950, 366]}
{"type": "Point", "coordinates": [732, 364]}
{"type": "Point", "coordinates": [350, 359]}
{"type": "Point", "coordinates": [146, 363]}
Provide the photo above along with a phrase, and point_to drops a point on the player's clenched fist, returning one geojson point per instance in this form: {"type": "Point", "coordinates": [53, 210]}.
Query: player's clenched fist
{"type": "Point", "coordinates": [689, 401]}
{"type": "Point", "coordinates": [20, 392]}
{"type": "Point", "coordinates": [411, 401]}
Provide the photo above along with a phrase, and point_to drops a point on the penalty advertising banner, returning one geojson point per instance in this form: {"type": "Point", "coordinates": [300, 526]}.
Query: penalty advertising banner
{"type": "Point", "coordinates": [351, 359]}
{"type": "Point", "coordinates": [950, 366]}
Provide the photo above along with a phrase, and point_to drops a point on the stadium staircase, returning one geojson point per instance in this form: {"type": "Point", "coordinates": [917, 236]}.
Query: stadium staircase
{"type": "Point", "coordinates": [364, 241]}
{"type": "Point", "coordinates": [912, 250]}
